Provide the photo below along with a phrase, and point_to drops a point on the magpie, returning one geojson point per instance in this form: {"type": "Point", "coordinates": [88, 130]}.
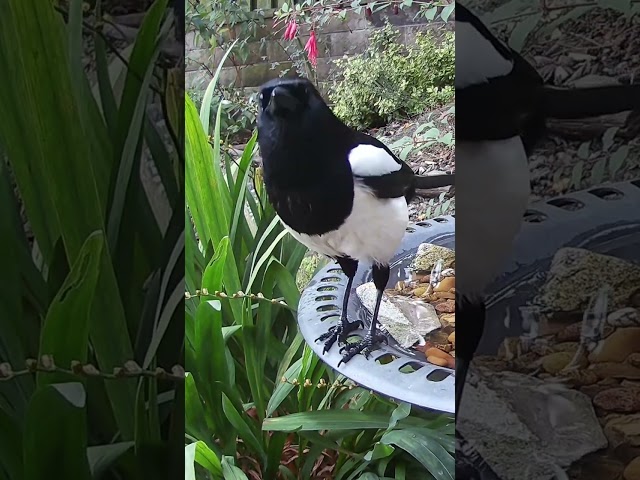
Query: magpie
{"type": "Point", "coordinates": [502, 105]}
{"type": "Point", "coordinates": [340, 192]}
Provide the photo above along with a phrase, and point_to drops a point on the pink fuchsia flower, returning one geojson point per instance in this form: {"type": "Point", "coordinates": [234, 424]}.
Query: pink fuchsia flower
{"type": "Point", "coordinates": [312, 48]}
{"type": "Point", "coordinates": [290, 31]}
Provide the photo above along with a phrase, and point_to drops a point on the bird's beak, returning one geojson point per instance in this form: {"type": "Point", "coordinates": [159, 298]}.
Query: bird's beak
{"type": "Point", "coordinates": [281, 101]}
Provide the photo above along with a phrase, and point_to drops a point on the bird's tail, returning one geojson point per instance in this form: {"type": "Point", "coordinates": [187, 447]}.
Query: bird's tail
{"type": "Point", "coordinates": [426, 182]}
{"type": "Point", "coordinates": [577, 103]}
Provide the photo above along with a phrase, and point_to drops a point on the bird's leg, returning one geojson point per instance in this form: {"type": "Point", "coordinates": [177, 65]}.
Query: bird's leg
{"type": "Point", "coordinates": [341, 331]}
{"type": "Point", "coordinates": [365, 346]}
{"type": "Point", "coordinates": [470, 315]}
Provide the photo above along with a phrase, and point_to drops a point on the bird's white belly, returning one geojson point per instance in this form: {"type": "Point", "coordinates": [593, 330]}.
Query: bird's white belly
{"type": "Point", "coordinates": [372, 233]}
{"type": "Point", "coordinates": [492, 192]}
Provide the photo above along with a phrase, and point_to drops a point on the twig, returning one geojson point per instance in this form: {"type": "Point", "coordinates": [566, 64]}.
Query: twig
{"type": "Point", "coordinates": [207, 68]}
{"type": "Point", "coordinates": [130, 370]}
{"type": "Point", "coordinates": [238, 295]}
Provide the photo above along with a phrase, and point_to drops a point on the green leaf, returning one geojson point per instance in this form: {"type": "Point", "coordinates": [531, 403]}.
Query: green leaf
{"type": "Point", "coordinates": [55, 433]}
{"type": "Point", "coordinates": [230, 471]}
{"type": "Point", "coordinates": [598, 171]}
{"type": "Point", "coordinates": [447, 11]}
{"type": "Point", "coordinates": [283, 389]}
{"type": "Point", "coordinates": [101, 457]}
{"type": "Point", "coordinates": [266, 255]}
{"type": "Point", "coordinates": [608, 136]}
{"type": "Point", "coordinates": [202, 186]}
{"type": "Point", "coordinates": [617, 160]}
{"type": "Point", "coordinates": [208, 459]}
{"type": "Point", "coordinates": [401, 411]}
{"type": "Point", "coordinates": [198, 452]}
{"type": "Point", "coordinates": [572, 14]}
{"type": "Point", "coordinates": [430, 13]}
{"type": "Point", "coordinates": [426, 450]}
{"type": "Point", "coordinates": [326, 420]}
{"type": "Point", "coordinates": [205, 107]}
{"type": "Point", "coordinates": [10, 446]}
{"type": "Point", "coordinates": [196, 423]}
{"type": "Point", "coordinates": [164, 311]}
{"type": "Point", "coordinates": [288, 356]}
{"type": "Point", "coordinates": [405, 152]}
{"type": "Point", "coordinates": [576, 174]}
{"type": "Point", "coordinates": [242, 424]}
{"type": "Point", "coordinates": [379, 451]}
{"type": "Point", "coordinates": [132, 111]}
{"type": "Point", "coordinates": [583, 150]}
{"type": "Point", "coordinates": [65, 332]}
{"type": "Point", "coordinates": [522, 30]}
{"type": "Point", "coordinates": [190, 461]}
{"type": "Point", "coordinates": [210, 369]}
{"type": "Point", "coordinates": [447, 138]}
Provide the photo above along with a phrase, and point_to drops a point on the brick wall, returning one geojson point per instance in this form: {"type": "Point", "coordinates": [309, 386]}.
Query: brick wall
{"type": "Point", "coordinates": [267, 58]}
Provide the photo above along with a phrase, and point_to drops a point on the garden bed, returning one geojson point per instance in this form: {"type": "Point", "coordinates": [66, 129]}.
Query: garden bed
{"type": "Point", "coordinates": [430, 146]}
{"type": "Point", "coordinates": [574, 49]}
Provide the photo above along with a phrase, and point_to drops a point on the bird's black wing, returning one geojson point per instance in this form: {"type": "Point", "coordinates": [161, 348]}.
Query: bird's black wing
{"type": "Point", "coordinates": [497, 90]}
{"type": "Point", "coordinates": [376, 167]}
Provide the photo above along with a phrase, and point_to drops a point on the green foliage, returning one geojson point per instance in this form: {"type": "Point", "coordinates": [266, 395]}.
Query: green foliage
{"type": "Point", "coordinates": [256, 397]}
{"type": "Point", "coordinates": [220, 22]}
{"type": "Point", "coordinates": [429, 133]}
{"type": "Point", "coordinates": [98, 284]}
{"type": "Point", "coordinates": [391, 81]}
{"type": "Point", "coordinates": [238, 114]}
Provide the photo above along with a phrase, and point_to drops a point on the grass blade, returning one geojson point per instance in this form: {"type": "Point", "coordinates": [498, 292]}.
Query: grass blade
{"type": "Point", "coordinates": [132, 112]}
{"type": "Point", "coordinates": [205, 108]}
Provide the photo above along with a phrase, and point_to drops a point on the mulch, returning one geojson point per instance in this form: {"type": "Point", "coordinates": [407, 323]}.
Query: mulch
{"type": "Point", "coordinates": [598, 47]}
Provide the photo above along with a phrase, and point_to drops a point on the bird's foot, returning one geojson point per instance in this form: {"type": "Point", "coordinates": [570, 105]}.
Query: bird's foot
{"type": "Point", "coordinates": [338, 332]}
{"type": "Point", "coordinates": [364, 346]}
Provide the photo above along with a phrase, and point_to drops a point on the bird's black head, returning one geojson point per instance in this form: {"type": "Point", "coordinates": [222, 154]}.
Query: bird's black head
{"type": "Point", "coordinates": [294, 116]}
{"type": "Point", "coordinates": [288, 99]}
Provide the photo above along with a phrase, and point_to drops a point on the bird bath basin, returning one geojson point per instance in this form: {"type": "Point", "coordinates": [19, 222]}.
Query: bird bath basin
{"type": "Point", "coordinates": [391, 370]}
{"type": "Point", "coordinates": [604, 220]}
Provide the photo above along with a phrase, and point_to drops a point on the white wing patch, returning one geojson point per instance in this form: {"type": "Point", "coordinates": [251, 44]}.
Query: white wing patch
{"type": "Point", "coordinates": [477, 60]}
{"type": "Point", "coordinates": [371, 161]}
{"type": "Point", "coordinates": [372, 232]}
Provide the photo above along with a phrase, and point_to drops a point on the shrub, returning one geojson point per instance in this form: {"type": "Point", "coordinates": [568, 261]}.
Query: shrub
{"type": "Point", "coordinates": [392, 81]}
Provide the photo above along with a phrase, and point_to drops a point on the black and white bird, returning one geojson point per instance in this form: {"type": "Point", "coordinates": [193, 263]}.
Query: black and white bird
{"type": "Point", "coordinates": [340, 192]}
{"type": "Point", "coordinates": [502, 106]}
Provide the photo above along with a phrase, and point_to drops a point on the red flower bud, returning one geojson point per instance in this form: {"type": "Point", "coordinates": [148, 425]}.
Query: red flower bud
{"type": "Point", "coordinates": [312, 48]}
{"type": "Point", "coordinates": [290, 31]}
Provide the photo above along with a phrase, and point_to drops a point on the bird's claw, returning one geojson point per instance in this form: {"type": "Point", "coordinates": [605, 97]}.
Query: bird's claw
{"type": "Point", "coordinates": [364, 346]}
{"type": "Point", "coordinates": [338, 332]}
